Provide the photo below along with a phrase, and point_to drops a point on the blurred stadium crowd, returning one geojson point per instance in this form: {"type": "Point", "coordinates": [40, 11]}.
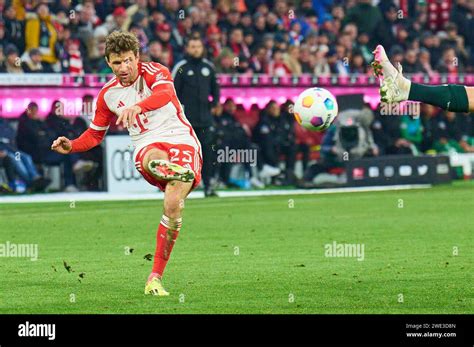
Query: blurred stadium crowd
{"type": "Point", "coordinates": [275, 37]}
{"type": "Point", "coordinates": [280, 143]}
{"type": "Point", "coordinates": [267, 36]}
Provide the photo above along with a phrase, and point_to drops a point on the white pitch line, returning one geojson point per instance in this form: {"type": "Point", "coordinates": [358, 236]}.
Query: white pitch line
{"type": "Point", "coordinates": [104, 196]}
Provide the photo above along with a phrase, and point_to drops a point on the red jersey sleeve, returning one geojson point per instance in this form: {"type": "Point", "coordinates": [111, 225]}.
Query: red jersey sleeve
{"type": "Point", "coordinates": [158, 78]}
{"type": "Point", "coordinates": [97, 129]}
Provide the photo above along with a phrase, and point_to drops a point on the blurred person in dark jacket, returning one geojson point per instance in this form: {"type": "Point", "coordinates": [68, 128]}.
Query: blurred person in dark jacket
{"type": "Point", "coordinates": [386, 130]}
{"type": "Point", "coordinates": [18, 163]}
{"type": "Point", "coordinates": [96, 155]}
{"type": "Point", "coordinates": [14, 28]}
{"type": "Point", "coordinates": [35, 137]}
{"type": "Point", "coordinates": [275, 136]}
{"type": "Point", "coordinates": [231, 135]}
{"type": "Point", "coordinates": [448, 134]}
{"type": "Point", "coordinates": [195, 80]}
{"type": "Point", "coordinates": [6, 163]}
{"type": "Point", "coordinates": [61, 125]}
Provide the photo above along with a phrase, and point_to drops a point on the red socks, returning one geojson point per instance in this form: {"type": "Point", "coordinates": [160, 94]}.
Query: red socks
{"type": "Point", "coordinates": [165, 240]}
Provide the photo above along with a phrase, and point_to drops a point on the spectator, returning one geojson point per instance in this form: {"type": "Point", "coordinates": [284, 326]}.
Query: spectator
{"type": "Point", "coordinates": [3, 42]}
{"type": "Point", "coordinates": [321, 65]}
{"type": "Point", "coordinates": [465, 122]}
{"type": "Point", "coordinates": [448, 134]}
{"type": "Point", "coordinates": [115, 21]}
{"type": "Point", "coordinates": [100, 35]}
{"type": "Point", "coordinates": [429, 118]}
{"type": "Point", "coordinates": [231, 22]}
{"type": "Point", "coordinates": [351, 31]}
{"type": "Point", "coordinates": [163, 32]}
{"type": "Point", "coordinates": [274, 25]}
{"type": "Point", "coordinates": [450, 62]}
{"type": "Point", "coordinates": [74, 58]}
{"type": "Point", "coordinates": [12, 63]}
{"type": "Point", "coordinates": [138, 31]}
{"type": "Point", "coordinates": [225, 62]}
{"type": "Point", "coordinates": [411, 129]}
{"type": "Point", "coordinates": [387, 135]}
{"type": "Point", "coordinates": [34, 137]}
{"type": "Point", "coordinates": [277, 66]}
{"type": "Point", "coordinates": [7, 164]}
{"type": "Point", "coordinates": [363, 46]}
{"type": "Point", "coordinates": [231, 134]}
{"type": "Point", "coordinates": [425, 62]}
{"type": "Point", "coordinates": [258, 61]}
{"type": "Point", "coordinates": [214, 45]}
{"type": "Point", "coordinates": [155, 50]}
{"type": "Point", "coordinates": [385, 33]}
{"type": "Point", "coordinates": [259, 28]}
{"type": "Point", "coordinates": [275, 136]}
{"type": "Point", "coordinates": [357, 63]}
{"type": "Point", "coordinates": [456, 42]}
{"type": "Point", "coordinates": [14, 29]}
{"type": "Point", "coordinates": [411, 64]}
{"type": "Point", "coordinates": [292, 60]}
{"type": "Point", "coordinates": [435, 50]}
{"type": "Point", "coordinates": [32, 62]}
{"type": "Point", "coordinates": [305, 59]}
{"type": "Point", "coordinates": [461, 14]}
{"type": "Point", "coordinates": [402, 37]}
{"type": "Point", "coordinates": [170, 9]}
{"type": "Point", "coordinates": [99, 64]}
{"type": "Point", "coordinates": [40, 33]}
{"type": "Point", "coordinates": [237, 44]}
{"type": "Point", "coordinates": [249, 39]}
{"type": "Point", "coordinates": [295, 34]}
{"type": "Point", "coordinates": [20, 164]}
{"type": "Point", "coordinates": [185, 28]}
{"type": "Point", "coordinates": [338, 61]}
{"type": "Point", "coordinates": [366, 17]}
{"type": "Point", "coordinates": [317, 24]}
{"type": "Point", "coordinates": [396, 54]}
{"type": "Point", "coordinates": [246, 22]}
{"type": "Point", "coordinates": [83, 30]}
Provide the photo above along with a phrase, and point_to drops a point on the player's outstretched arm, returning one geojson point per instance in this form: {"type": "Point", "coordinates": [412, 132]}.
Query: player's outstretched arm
{"type": "Point", "coordinates": [88, 139]}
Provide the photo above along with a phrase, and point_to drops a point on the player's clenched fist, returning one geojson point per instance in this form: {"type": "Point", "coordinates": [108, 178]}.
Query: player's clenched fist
{"type": "Point", "coordinates": [128, 115]}
{"type": "Point", "coordinates": [62, 145]}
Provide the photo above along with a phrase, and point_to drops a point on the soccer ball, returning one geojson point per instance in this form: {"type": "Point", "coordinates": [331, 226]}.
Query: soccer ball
{"type": "Point", "coordinates": [315, 109]}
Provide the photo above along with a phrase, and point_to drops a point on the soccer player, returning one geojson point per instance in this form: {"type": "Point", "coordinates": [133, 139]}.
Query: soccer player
{"type": "Point", "coordinates": [167, 152]}
{"type": "Point", "coordinates": [394, 87]}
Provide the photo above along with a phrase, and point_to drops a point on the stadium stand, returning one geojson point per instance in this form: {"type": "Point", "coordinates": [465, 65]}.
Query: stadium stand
{"type": "Point", "coordinates": [273, 37]}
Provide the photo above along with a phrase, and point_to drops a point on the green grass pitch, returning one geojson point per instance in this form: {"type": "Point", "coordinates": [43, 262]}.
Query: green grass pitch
{"type": "Point", "coordinates": [248, 255]}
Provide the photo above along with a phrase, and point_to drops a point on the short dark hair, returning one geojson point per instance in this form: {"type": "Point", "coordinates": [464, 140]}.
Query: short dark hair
{"type": "Point", "coordinates": [193, 37]}
{"type": "Point", "coordinates": [120, 42]}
